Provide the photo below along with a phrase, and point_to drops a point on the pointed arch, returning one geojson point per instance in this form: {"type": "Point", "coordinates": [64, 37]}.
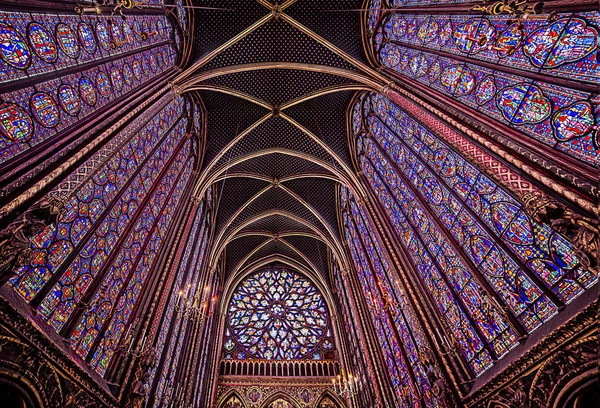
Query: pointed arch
{"type": "Point", "coordinates": [227, 400]}
{"type": "Point", "coordinates": [335, 399]}
{"type": "Point", "coordinates": [284, 395]}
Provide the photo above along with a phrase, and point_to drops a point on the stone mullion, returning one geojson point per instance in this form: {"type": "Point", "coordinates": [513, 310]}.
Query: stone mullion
{"type": "Point", "coordinates": [68, 327]}
{"type": "Point", "coordinates": [411, 374]}
{"type": "Point", "coordinates": [349, 312]}
{"type": "Point", "coordinates": [208, 390]}
{"type": "Point", "coordinates": [533, 75]}
{"type": "Point", "coordinates": [206, 283]}
{"type": "Point", "coordinates": [383, 377]}
{"type": "Point", "coordinates": [67, 7]}
{"type": "Point", "coordinates": [175, 326]}
{"type": "Point", "coordinates": [530, 158]}
{"type": "Point", "coordinates": [543, 287]}
{"type": "Point", "coordinates": [37, 79]}
{"type": "Point", "coordinates": [428, 314]}
{"type": "Point", "coordinates": [389, 276]}
{"type": "Point", "coordinates": [484, 340]}
{"type": "Point", "coordinates": [467, 7]}
{"type": "Point", "coordinates": [360, 307]}
{"type": "Point", "coordinates": [116, 370]}
{"type": "Point", "coordinates": [209, 334]}
{"type": "Point", "coordinates": [182, 330]}
{"type": "Point", "coordinates": [480, 279]}
{"type": "Point", "coordinates": [43, 292]}
{"type": "Point", "coordinates": [188, 362]}
{"type": "Point", "coordinates": [125, 285]}
{"type": "Point", "coordinates": [36, 163]}
{"type": "Point", "coordinates": [166, 293]}
{"type": "Point", "coordinates": [196, 366]}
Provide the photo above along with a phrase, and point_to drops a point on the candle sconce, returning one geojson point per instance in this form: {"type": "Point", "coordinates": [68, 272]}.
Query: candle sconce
{"type": "Point", "coordinates": [88, 306]}
{"type": "Point", "coordinates": [142, 350]}
{"type": "Point", "coordinates": [193, 309]}
{"type": "Point", "coordinates": [108, 7]}
{"type": "Point", "coordinates": [345, 385]}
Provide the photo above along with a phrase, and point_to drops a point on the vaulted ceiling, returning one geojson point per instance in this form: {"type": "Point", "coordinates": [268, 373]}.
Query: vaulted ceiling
{"type": "Point", "coordinates": [276, 81]}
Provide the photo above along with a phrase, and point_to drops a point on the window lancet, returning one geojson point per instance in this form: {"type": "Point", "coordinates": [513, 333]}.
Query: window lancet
{"type": "Point", "coordinates": [473, 245]}
{"type": "Point", "coordinates": [42, 93]}
{"type": "Point", "coordinates": [536, 75]}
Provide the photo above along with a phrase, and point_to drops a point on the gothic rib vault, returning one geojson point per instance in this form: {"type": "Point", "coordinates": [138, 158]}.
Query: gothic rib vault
{"type": "Point", "coordinates": [276, 102]}
{"type": "Point", "coordinates": [299, 204]}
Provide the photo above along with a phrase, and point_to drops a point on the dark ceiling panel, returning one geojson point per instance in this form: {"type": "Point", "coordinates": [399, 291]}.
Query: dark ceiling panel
{"type": "Point", "coordinates": [276, 224]}
{"type": "Point", "coordinates": [235, 193]}
{"type": "Point", "coordinates": [276, 132]}
{"type": "Point", "coordinates": [277, 248]}
{"type": "Point", "coordinates": [278, 165]}
{"type": "Point", "coordinates": [277, 86]}
{"type": "Point", "coordinates": [215, 27]}
{"type": "Point", "coordinates": [332, 20]}
{"type": "Point", "coordinates": [226, 117]}
{"type": "Point", "coordinates": [239, 248]}
{"type": "Point", "coordinates": [325, 116]}
{"type": "Point", "coordinates": [276, 199]}
{"type": "Point", "coordinates": [276, 41]}
{"type": "Point", "coordinates": [318, 193]}
{"type": "Point", "coordinates": [314, 250]}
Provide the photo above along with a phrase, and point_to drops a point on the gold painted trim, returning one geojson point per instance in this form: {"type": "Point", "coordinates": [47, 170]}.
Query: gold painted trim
{"type": "Point", "coordinates": [338, 51]}
{"type": "Point", "coordinates": [324, 91]}
{"type": "Point", "coordinates": [241, 209]}
{"type": "Point", "coordinates": [233, 69]}
{"type": "Point", "coordinates": [198, 64]}
{"type": "Point", "coordinates": [325, 147]}
{"type": "Point", "coordinates": [309, 208]}
{"type": "Point", "coordinates": [282, 235]}
{"type": "Point", "coordinates": [218, 248]}
{"type": "Point", "coordinates": [232, 92]}
{"type": "Point", "coordinates": [204, 181]}
{"type": "Point", "coordinates": [228, 146]}
{"type": "Point", "coordinates": [308, 175]}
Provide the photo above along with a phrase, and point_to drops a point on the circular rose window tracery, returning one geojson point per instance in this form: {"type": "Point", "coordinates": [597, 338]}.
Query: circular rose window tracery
{"type": "Point", "coordinates": [277, 314]}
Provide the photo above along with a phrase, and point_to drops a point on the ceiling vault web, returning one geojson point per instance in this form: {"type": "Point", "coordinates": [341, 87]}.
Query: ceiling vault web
{"type": "Point", "coordinates": [263, 84]}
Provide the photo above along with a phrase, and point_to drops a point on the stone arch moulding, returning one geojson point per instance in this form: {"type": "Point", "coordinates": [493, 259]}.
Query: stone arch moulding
{"type": "Point", "coordinates": [336, 400]}
{"type": "Point", "coordinates": [228, 396]}
{"type": "Point", "coordinates": [281, 395]}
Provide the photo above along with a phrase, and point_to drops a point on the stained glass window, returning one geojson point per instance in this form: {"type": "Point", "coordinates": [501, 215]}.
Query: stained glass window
{"type": "Point", "coordinates": [463, 232]}
{"type": "Point", "coordinates": [277, 314]}
{"type": "Point", "coordinates": [513, 71]}
{"type": "Point", "coordinates": [41, 97]}
{"type": "Point", "coordinates": [398, 331]}
{"type": "Point", "coordinates": [174, 321]}
{"type": "Point", "coordinates": [111, 168]}
{"type": "Point", "coordinates": [119, 205]}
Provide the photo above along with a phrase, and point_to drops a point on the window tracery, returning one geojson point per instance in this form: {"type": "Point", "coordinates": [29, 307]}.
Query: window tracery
{"type": "Point", "coordinates": [533, 75]}
{"type": "Point", "coordinates": [473, 245]}
{"type": "Point", "coordinates": [90, 268]}
{"type": "Point", "coordinates": [277, 314]}
{"type": "Point", "coordinates": [77, 64]}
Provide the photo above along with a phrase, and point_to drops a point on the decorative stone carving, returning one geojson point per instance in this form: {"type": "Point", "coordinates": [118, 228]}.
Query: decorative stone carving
{"type": "Point", "coordinates": [139, 389]}
{"type": "Point", "coordinates": [15, 248]}
{"type": "Point", "coordinates": [439, 387]}
{"type": "Point", "coordinates": [583, 232]}
{"type": "Point", "coordinates": [37, 361]}
{"type": "Point", "coordinates": [539, 377]}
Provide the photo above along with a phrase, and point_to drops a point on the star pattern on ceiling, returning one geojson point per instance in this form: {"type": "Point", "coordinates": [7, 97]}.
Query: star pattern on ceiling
{"type": "Point", "coordinates": [276, 80]}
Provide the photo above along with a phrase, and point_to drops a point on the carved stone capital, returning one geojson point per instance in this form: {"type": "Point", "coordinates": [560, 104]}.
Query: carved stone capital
{"type": "Point", "coordinates": [581, 231]}
{"type": "Point", "coordinates": [15, 247]}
